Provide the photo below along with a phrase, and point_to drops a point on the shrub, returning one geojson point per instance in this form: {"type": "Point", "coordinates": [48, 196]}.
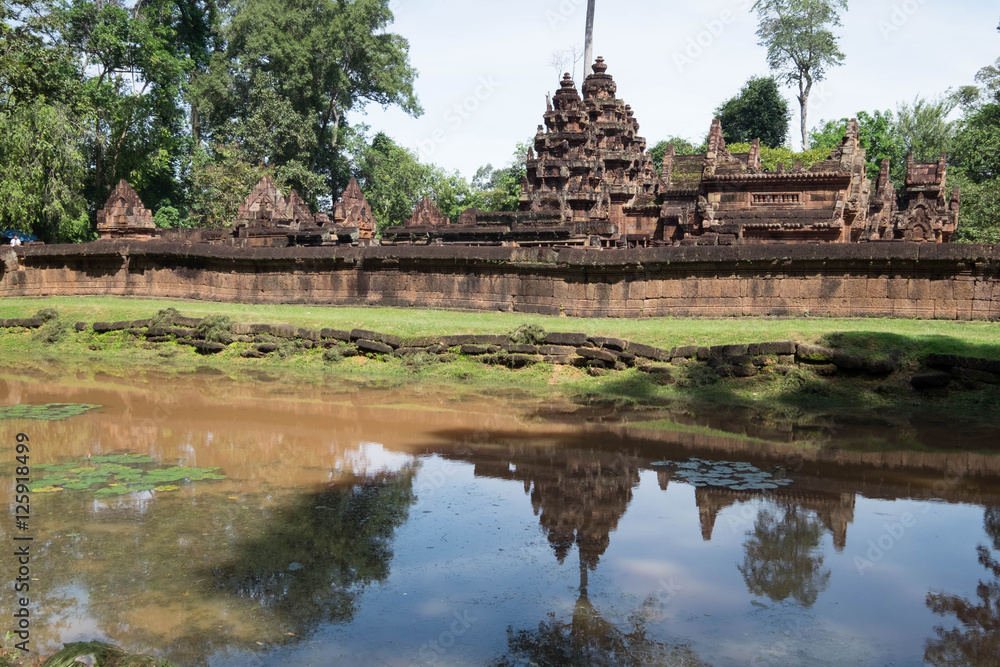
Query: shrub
{"type": "Point", "coordinates": [215, 329]}
{"type": "Point", "coordinates": [164, 318]}
{"type": "Point", "coordinates": [527, 334]}
{"type": "Point", "coordinates": [51, 331]}
{"type": "Point", "coordinates": [47, 314]}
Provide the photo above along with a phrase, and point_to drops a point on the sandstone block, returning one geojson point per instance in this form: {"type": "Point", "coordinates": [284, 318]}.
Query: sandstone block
{"type": "Point", "coordinates": [570, 339]}
{"type": "Point", "coordinates": [372, 347]}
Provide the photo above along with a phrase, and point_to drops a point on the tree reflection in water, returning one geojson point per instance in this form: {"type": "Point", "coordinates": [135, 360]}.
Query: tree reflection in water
{"type": "Point", "coordinates": [782, 556]}
{"type": "Point", "coordinates": [588, 640]}
{"type": "Point", "coordinates": [318, 552]}
{"type": "Point", "coordinates": [187, 577]}
{"type": "Point", "coordinates": [977, 641]}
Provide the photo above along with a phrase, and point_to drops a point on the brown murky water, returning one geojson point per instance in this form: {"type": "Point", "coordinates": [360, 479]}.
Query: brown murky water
{"type": "Point", "coordinates": [408, 528]}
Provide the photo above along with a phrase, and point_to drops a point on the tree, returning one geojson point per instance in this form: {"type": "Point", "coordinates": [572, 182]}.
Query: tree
{"type": "Point", "coordinates": [757, 112]}
{"type": "Point", "coordinates": [500, 189]}
{"type": "Point", "coordinates": [43, 172]}
{"type": "Point", "coordinates": [292, 69]}
{"type": "Point", "coordinates": [975, 164]}
{"type": "Point", "coordinates": [879, 137]}
{"type": "Point", "coordinates": [976, 640]}
{"type": "Point", "coordinates": [924, 127]}
{"type": "Point", "coordinates": [783, 557]}
{"type": "Point", "coordinates": [392, 180]}
{"type": "Point", "coordinates": [801, 46]}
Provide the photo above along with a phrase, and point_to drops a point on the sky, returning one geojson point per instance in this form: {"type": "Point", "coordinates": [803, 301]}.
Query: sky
{"type": "Point", "coordinates": [485, 66]}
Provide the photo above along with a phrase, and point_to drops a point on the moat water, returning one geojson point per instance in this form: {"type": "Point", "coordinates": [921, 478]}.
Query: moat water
{"type": "Point", "coordinates": [413, 528]}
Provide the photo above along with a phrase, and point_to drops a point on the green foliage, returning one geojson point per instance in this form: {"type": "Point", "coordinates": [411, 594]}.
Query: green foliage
{"type": "Point", "coordinates": [51, 332]}
{"type": "Point", "coordinates": [771, 157]}
{"type": "Point", "coordinates": [976, 170]}
{"type": "Point", "coordinates": [681, 147]}
{"type": "Point", "coordinates": [500, 189]}
{"type": "Point", "coordinates": [46, 412]}
{"type": "Point", "coordinates": [117, 475]}
{"type": "Point", "coordinates": [757, 112]}
{"type": "Point", "coordinates": [47, 314]}
{"type": "Point", "coordinates": [103, 655]}
{"type": "Point", "coordinates": [164, 317]}
{"type": "Point", "coordinates": [880, 138]}
{"type": "Point", "coordinates": [924, 128]}
{"type": "Point", "coordinates": [333, 355]}
{"type": "Point", "coordinates": [169, 217]}
{"type": "Point", "coordinates": [43, 171]}
{"type": "Point", "coordinates": [220, 180]}
{"type": "Point", "coordinates": [392, 179]}
{"type": "Point", "coordinates": [452, 193]}
{"type": "Point", "coordinates": [527, 334]}
{"type": "Point", "coordinates": [215, 329]}
{"type": "Point", "coordinates": [289, 73]}
{"type": "Point", "coordinates": [800, 43]}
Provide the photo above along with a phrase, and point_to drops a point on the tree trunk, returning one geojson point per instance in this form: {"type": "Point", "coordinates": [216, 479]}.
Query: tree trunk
{"type": "Point", "coordinates": [588, 42]}
{"type": "Point", "coordinates": [804, 105]}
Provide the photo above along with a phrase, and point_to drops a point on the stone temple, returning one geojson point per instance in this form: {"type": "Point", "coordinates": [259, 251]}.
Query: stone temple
{"type": "Point", "coordinates": [590, 182]}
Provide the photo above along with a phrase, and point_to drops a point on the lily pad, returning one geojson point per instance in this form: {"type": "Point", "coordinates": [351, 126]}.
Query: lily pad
{"type": "Point", "coordinates": [45, 412]}
{"type": "Point", "coordinates": [734, 475]}
{"type": "Point", "coordinates": [118, 474]}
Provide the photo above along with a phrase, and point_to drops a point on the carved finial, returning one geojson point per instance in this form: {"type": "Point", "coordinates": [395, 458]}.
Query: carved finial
{"type": "Point", "coordinates": [567, 81]}
{"type": "Point", "coordinates": [599, 67]}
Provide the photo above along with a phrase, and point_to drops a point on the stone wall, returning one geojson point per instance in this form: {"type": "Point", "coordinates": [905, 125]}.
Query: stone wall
{"type": "Point", "coordinates": [888, 279]}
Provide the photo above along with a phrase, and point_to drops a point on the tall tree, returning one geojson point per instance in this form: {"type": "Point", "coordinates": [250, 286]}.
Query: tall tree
{"type": "Point", "coordinates": [311, 61]}
{"type": "Point", "coordinates": [757, 112]}
{"type": "Point", "coordinates": [588, 42]}
{"type": "Point", "coordinates": [800, 43]}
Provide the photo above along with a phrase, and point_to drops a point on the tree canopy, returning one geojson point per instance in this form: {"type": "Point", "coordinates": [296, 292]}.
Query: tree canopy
{"type": "Point", "coordinates": [801, 45]}
{"type": "Point", "coordinates": [757, 112]}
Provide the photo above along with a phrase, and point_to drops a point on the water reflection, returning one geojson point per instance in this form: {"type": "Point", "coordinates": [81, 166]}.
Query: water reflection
{"type": "Point", "coordinates": [317, 541]}
{"type": "Point", "coordinates": [783, 556]}
{"type": "Point", "coordinates": [977, 641]}
{"type": "Point", "coordinates": [587, 639]}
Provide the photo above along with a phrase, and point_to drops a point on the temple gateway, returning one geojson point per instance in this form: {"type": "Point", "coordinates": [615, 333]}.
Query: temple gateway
{"type": "Point", "coordinates": [590, 182]}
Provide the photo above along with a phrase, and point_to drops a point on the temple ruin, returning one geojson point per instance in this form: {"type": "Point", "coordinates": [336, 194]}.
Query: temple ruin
{"type": "Point", "coordinates": [589, 181]}
{"type": "Point", "coordinates": [125, 216]}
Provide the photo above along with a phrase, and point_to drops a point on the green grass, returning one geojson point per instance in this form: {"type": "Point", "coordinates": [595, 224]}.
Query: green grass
{"type": "Point", "coordinates": [911, 336]}
{"type": "Point", "coordinates": [790, 398]}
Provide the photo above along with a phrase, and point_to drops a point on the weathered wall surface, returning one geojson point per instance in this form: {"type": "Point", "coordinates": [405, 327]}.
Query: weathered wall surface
{"type": "Point", "coordinates": [893, 279]}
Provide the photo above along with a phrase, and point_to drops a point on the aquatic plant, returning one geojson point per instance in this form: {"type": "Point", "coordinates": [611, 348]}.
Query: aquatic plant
{"type": "Point", "coordinates": [100, 654]}
{"type": "Point", "coordinates": [737, 476]}
{"type": "Point", "coordinates": [45, 412]}
{"type": "Point", "coordinates": [117, 474]}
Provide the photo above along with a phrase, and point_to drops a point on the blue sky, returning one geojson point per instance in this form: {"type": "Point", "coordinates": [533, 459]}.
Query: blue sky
{"type": "Point", "coordinates": [485, 65]}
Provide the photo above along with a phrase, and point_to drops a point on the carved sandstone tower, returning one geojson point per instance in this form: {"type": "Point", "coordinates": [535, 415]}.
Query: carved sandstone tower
{"type": "Point", "coordinates": [591, 165]}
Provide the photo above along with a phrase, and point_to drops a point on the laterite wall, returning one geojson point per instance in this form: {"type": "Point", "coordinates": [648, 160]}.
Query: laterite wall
{"type": "Point", "coordinates": [894, 279]}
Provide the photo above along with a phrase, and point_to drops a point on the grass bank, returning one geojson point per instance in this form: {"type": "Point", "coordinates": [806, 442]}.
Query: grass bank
{"type": "Point", "coordinates": [798, 395]}
{"type": "Point", "coordinates": [919, 337]}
